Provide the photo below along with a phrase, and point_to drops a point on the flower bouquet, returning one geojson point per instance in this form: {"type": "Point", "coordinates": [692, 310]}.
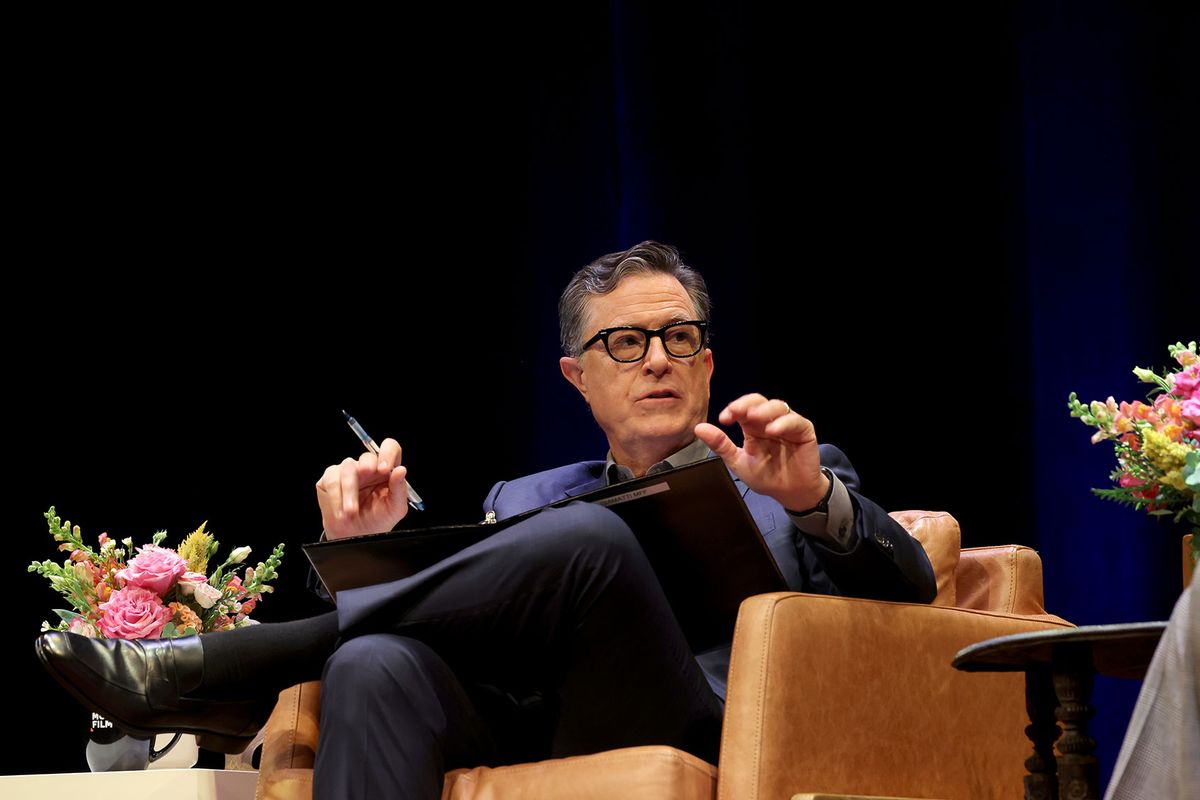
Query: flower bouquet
{"type": "Point", "coordinates": [1157, 443]}
{"type": "Point", "coordinates": [158, 593]}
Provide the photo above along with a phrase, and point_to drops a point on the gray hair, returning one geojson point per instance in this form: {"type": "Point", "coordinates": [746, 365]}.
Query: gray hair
{"type": "Point", "coordinates": [602, 276]}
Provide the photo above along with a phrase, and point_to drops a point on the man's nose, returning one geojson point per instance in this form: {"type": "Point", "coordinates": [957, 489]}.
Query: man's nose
{"type": "Point", "coordinates": [656, 361]}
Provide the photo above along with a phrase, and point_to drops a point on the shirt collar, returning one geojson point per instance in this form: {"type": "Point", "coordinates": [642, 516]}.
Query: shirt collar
{"type": "Point", "coordinates": [696, 451]}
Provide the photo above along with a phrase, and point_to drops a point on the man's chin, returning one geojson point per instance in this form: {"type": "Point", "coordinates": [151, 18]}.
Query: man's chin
{"type": "Point", "coordinates": [666, 432]}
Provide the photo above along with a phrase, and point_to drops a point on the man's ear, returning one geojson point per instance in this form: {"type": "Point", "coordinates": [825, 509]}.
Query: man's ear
{"type": "Point", "coordinates": [573, 372]}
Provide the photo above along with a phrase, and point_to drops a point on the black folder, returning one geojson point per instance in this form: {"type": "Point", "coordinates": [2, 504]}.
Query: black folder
{"type": "Point", "coordinates": [691, 522]}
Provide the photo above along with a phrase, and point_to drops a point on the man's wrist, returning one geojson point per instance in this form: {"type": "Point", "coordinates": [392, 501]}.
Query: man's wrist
{"type": "Point", "coordinates": [834, 523]}
{"type": "Point", "coordinates": [822, 506]}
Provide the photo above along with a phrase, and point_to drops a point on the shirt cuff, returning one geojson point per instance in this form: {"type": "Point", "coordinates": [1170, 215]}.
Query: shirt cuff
{"type": "Point", "coordinates": [835, 528]}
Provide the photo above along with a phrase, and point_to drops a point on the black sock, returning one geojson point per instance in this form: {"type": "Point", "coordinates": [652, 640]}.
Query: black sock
{"type": "Point", "coordinates": [263, 660]}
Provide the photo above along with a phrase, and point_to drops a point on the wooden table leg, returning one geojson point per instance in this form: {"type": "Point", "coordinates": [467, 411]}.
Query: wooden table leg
{"type": "Point", "coordinates": [1078, 770]}
{"type": "Point", "coordinates": [1040, 702]}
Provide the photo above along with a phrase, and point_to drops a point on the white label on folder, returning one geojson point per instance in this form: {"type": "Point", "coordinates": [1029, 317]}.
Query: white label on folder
{"type": "Point", "coordinates": [635, 495]}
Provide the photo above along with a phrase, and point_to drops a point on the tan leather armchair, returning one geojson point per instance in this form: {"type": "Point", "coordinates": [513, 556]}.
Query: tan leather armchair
{"type": "Point", "coordinates": [826, 694]}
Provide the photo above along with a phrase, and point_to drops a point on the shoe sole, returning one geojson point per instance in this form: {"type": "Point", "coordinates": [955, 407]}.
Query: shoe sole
{"type": "Point", "coordinates": [220, 742]}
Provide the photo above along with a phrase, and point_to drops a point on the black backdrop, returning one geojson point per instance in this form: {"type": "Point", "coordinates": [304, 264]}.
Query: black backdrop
{"type": "Point", "coordinates": [920, 227]}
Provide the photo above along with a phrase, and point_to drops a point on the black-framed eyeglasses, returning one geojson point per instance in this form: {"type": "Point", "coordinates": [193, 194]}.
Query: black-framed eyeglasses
{"type": "Point", "coordinates": [680, 339]}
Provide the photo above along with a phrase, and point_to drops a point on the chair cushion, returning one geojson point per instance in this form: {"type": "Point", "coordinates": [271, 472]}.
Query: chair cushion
{"type": "Point", "coordinates": [633, 773]}
{"type": "Point", "coordinates": [939, 534]}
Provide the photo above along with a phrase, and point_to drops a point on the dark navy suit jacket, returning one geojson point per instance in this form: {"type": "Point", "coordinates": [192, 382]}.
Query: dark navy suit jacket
{"type": "Point", "coordinates": [885, 563]}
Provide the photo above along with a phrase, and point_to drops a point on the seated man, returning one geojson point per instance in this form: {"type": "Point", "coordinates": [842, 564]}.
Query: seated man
{"type": "Point", "coordinates": [431, 672]}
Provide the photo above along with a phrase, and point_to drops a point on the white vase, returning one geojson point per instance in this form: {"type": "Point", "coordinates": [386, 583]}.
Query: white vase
{"type": "Point", "coordinates": [110, 749]}
{"type": "Point", "coordinates": [183, 755]}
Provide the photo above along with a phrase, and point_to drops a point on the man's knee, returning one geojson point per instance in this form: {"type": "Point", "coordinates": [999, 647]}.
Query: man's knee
{"type": "Point", "coordinates": [374, 662]}
{"type": "Point", "coordinates": [583, 530]}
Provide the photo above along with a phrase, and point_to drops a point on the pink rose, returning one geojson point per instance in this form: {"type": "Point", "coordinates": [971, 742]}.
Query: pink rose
{"type": "Point", "coordinates": [155, 568]}
{"type": "Point", "coordinates": [1191, 411]}
{"type": "Point", "coordinates": [133, 613]}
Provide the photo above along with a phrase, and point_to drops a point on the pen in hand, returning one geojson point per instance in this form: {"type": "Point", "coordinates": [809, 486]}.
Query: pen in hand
{"type": "Point", "coordinates": [414, 499]}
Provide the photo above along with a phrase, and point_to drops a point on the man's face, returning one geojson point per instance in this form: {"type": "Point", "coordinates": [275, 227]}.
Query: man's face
{"type": "Point", "coordinates": [648, 408]}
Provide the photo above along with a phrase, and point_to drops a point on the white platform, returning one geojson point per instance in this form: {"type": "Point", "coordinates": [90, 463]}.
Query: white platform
{"type": "Point", "coordinates": [152, 784]}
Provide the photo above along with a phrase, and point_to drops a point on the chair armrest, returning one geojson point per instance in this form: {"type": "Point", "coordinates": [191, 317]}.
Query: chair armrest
{"type": "Point", "coordinates": [855, 696]}
{"type": "Point", "coordinates": [1005, 578]}
{"type": "Point", "coordinates": [290, 745]}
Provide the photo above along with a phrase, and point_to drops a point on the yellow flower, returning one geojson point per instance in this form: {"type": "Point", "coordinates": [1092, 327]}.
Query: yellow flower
{"type": "Point", "coordinates": [194, 549]}
{"type": "Point", "coordinates": [1164, 454]}
{"type": "Point", "coordinates": [1174, 479]}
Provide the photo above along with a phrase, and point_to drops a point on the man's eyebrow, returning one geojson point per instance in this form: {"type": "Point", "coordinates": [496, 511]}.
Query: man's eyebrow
{"type": "Point", "coordinates": [673, 320]}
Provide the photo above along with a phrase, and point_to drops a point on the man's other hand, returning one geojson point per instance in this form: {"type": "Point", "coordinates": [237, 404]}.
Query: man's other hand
{"type": "Point", "coordinates": [364, 495]}
{"type": "Point", "coordinates": [779, 456]}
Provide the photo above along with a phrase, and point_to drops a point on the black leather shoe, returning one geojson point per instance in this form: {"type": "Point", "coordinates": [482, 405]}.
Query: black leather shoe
{"type": "Point", "coordinates": [142, 685]}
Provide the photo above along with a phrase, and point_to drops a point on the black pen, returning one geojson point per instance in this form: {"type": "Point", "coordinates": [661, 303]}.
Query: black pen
{"type": "Point", "coordinates": [414, 499]}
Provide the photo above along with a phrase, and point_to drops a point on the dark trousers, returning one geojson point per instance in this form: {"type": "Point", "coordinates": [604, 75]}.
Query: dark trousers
{"type": "Point", "coordinates": [550, 638]}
